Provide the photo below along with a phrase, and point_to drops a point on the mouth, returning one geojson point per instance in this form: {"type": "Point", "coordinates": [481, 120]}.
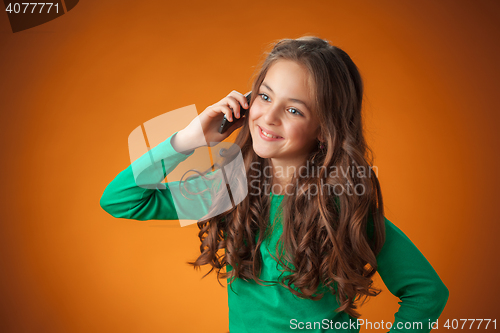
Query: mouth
{"type": "Point", "coordinates": [268, 136]}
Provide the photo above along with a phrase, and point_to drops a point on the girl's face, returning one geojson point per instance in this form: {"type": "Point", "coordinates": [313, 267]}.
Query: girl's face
{"type": "Point", "coordinates": [283, 108]}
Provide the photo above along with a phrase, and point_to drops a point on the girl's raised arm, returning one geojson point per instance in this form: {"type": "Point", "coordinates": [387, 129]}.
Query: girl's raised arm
{"type": "Point", "coordinates": [137, 192]}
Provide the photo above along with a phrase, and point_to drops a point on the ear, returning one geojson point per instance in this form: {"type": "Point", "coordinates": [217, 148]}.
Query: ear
{"type": "Point", "coordinates": [319, 136]}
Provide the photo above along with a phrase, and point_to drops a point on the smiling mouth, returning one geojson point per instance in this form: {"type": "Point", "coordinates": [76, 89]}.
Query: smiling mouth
{"type": "Point", "coordinates": [269, 135]}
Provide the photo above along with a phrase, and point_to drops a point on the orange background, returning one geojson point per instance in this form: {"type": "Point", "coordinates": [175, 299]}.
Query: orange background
{"type": "Point", "coordinates": [72, 90]}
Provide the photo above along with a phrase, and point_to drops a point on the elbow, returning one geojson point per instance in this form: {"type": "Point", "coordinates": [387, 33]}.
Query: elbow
{"type": "Point", "coordinates": [444, 294]}
{"type": "Point", "coordinates": [114, 205]}
{"type": "Point", "coordinates": [431, 298]}
{"type": "Point", "coordinates": [104, 203]}
{"type": "Point", "coordinates": [439, 297]}
{"type": "Point", "coordinates": [107, 204]}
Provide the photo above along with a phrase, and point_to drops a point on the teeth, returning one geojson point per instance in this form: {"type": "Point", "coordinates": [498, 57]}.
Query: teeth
{"type": "Point", "coordinates": [269, 135]}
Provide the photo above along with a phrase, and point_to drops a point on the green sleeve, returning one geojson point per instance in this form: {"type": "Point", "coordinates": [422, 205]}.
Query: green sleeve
{"type": "Point", "coordinates": [410, 277]}
{"type": "Point", "coordinates": [138, 192]}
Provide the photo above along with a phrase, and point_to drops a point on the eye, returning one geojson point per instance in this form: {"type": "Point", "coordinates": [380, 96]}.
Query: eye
{"type": "Point", "coordinates": [298, 112]}
{"type": "Point", "coordinates": [264, 96]}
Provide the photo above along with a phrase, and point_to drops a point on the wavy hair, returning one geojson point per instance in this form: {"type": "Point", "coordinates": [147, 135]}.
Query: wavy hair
{"type": "Point", "coordinates": [324, 246]}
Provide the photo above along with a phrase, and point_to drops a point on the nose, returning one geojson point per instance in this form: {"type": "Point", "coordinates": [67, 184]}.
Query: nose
{"type": "Point", "coordinates": [272, 114]}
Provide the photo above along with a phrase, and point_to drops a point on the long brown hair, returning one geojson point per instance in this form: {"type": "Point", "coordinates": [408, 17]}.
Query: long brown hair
{"type": "Point", "coordinates": [325, 244]}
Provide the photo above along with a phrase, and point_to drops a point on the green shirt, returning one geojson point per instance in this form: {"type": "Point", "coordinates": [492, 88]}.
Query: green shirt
{"type": "Point", "coordinates": [273, 308]}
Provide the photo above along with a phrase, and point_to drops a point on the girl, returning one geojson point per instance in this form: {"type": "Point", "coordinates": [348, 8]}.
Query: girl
{"type": "Point", "coordinates": [301, 248]}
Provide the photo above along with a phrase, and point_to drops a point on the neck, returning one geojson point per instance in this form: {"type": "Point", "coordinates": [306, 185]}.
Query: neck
{"type": "Point", "coordinates": [282, 174]}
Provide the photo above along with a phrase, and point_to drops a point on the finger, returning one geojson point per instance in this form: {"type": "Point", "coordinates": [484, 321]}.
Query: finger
{"type": "Point", "coordinates": [227, 111]}
{"type": "Point", "coordinates": [240, 98]}
{"type": "Point", "coordinates": [234, 105]}
{"type": "Point", "coordinates": [224, 109]}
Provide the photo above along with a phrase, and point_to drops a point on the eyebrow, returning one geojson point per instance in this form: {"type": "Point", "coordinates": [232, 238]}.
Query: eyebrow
{"type": "Point", "coordinates": [290, 99]}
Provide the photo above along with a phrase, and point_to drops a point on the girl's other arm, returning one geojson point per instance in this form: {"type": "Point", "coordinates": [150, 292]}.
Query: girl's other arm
{"type": "Point", "coordinates": [409, 276]}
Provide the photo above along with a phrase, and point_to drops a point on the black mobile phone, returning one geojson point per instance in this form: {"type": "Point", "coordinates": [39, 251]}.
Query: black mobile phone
{"type": "Point", "coordinates": [226, 123]}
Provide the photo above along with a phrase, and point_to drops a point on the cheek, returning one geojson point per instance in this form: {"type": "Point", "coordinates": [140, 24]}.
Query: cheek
{"type": "Point", "coordinates": [255, 112]}
{"type": "Point", "coordinates": [298, 132]}
{"type": "Point", "coordinates": [252, 116]}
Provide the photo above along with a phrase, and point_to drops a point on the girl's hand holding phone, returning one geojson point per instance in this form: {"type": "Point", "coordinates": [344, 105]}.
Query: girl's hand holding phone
{"type": "Point", "coordinates": [204, 129]}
